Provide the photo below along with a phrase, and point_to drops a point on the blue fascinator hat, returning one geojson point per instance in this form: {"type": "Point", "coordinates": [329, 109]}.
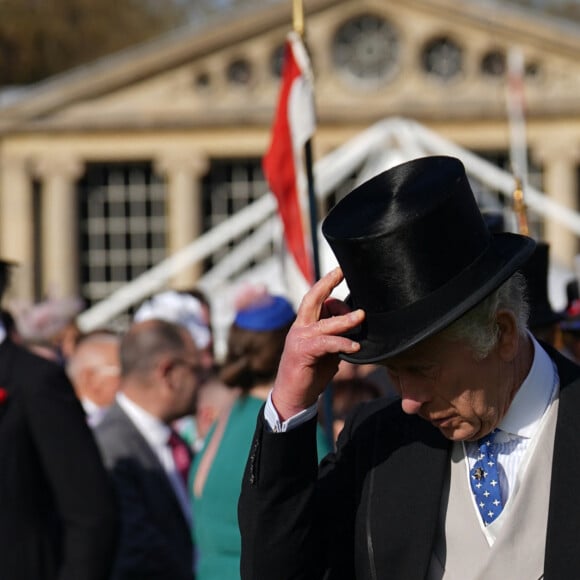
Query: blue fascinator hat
{"type": "Point", "coordinates": [269, 313]}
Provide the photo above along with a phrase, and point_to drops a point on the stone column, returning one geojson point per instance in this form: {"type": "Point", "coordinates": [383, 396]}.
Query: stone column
{"type": "Point", "coordinates": [60, 221]}
{"type": "Point", "coordinates": [560, 162]}
{"type": "Point", "coordinates": [17, 225]}
{"type": "Point", "coordinates": [183, 171]}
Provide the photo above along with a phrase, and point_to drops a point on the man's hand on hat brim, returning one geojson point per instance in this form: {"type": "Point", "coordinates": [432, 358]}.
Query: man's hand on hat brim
{"type": "Point", "coordinates": [310, 358]}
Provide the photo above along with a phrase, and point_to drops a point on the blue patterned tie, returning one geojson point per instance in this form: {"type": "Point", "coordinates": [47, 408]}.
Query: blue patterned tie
{"type": "Point", "coordinates": [484, 479]}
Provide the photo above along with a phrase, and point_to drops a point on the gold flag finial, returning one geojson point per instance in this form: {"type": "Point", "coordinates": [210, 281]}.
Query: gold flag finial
{"type": "Point", "coordinates": [298, 17]}
{"type": "Point", "coordinates": [520, 208]}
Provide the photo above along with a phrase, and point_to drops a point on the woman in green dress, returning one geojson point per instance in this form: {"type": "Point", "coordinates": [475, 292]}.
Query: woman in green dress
{"type": "Point", "coordinates": [255, 344]}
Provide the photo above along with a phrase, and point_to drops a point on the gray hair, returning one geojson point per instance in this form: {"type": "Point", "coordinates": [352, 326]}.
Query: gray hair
{"type": "Point", "coordinates": [478, 327]}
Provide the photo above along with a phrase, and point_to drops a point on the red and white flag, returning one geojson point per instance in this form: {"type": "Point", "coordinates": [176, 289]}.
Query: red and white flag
{"type": "Point", "coordinates": [283, 164]}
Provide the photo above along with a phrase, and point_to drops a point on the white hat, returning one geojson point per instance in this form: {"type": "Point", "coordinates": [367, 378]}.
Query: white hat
{"type": "Point", "coordinates": [44, 320]}
{"type": "Point", "coordinates": [179, 308]}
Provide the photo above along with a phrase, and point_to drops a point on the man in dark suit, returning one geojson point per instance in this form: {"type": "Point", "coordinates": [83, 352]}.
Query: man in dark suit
{"type": "Point", "coordinates": [57, 508]}
{"type": "Point", "coordinates": [472, 473]}
{"type": "Point", "coordinates": [160, 373]}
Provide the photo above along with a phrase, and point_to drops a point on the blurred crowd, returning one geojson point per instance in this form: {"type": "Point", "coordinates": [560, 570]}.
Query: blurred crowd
{"type": "Point", "coordinates": [156, 437]}
{"type": "Point", "coordinates": [167, 425]}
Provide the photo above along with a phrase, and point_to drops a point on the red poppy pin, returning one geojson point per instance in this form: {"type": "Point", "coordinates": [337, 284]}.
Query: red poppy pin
{"type": "Point", "coordinates": [3, 395]}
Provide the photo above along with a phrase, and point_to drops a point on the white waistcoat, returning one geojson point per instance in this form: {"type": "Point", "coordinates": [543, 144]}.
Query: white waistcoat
{"type": "Point", "coordinates": [462, 551]}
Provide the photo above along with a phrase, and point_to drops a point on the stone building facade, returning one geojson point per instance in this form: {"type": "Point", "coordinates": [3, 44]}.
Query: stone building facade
{"type": "Point", "coordinates": [109, 168]}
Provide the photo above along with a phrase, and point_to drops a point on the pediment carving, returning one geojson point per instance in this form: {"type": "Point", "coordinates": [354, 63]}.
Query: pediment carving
{"type": "Point", "coordinates": [414, 59]}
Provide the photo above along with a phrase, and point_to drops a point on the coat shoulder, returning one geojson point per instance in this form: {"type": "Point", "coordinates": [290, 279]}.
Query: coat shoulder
{"type": "Point", "coordinates": [117, 438]}
{"type": "Point", "coordinates": [32, 378]}
{"type": "Point", "coordinates": [112, 428]}
{"type": "Point", "coordinates": [23, 364]}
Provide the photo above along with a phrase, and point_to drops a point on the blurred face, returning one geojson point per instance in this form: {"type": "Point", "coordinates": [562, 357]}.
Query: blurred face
{"type": "Point", "coordinates": [97, 374]}
{"type": "Point", "coordinates": [187, 374]}
{"type": "Point", "coordinates": [445, 384]}
{"type": "Point", "coordinates": [105, 377]}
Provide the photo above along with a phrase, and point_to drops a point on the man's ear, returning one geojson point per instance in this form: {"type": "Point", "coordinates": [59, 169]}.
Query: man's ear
{"type": "Point", "coordinates": [164, 369]}
{"type": "Point", "coordinates": [509, 337]}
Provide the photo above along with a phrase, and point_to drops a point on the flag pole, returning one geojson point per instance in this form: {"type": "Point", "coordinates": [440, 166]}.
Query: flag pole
{"type": "Point", "coordinates": [518, 139]}
{"type": "Point", "coordinates": [298, 26]}
{"type": "Point", "coordinates": [520, 208]}
{"type": "Point", "coordinates": [298, 17]}
{"type": "Point", "coordinates": [327, 397]}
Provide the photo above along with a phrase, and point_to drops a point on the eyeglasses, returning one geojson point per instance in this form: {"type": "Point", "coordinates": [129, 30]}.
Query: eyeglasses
{"type": "Point", "coordinates": [108, 370]}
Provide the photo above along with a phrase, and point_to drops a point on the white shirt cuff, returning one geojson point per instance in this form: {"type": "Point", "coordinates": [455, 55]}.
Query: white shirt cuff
{"type": "Point", "coordinates": [277, 426]}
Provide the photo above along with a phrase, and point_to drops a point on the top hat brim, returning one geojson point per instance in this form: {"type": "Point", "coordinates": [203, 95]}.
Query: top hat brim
{"type": "Point", "coordinates": [416, 253]}
{"type": "Point", "coordinates": [386, 334]}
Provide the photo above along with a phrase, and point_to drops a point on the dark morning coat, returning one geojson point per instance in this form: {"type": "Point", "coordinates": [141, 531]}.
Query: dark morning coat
{"type": "Point", "coordinates": [372, 514]}
{"type": "Point", "coordinates": [156, 539]}
{"type": "Point", "coordinates": [57, 508]}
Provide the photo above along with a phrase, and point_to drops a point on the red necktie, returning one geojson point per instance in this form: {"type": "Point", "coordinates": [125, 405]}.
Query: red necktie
{"type": "Point", "coordinates": [181, 455]}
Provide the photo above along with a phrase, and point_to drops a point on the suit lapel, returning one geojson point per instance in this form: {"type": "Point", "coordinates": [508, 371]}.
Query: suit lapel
{"type": "Point", "coordinates": [562, 555]}
{"type": "Point", "coordinates": [154, 480]}
{"type": "Point", "coordinates": [403, 501]}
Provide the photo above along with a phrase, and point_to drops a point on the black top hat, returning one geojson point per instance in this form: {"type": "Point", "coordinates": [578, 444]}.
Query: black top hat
{"type": "Point", "coordinates": [494, 221]}
{"type": "Point", "coordinates": [416, 253]}
{"type": "Point", "coordinates": [535, 271]}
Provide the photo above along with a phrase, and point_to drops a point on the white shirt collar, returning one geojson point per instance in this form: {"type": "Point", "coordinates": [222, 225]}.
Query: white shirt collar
{"type": "Point", "coordinates": [89, 406]}
{"type": "Point", "coordinates": [94, 413]}
{"type": "Point", "coordinates": [156, 432]}
{"type": "Point", "coordinates": [533, 397]}
{"type": "Point", "coordinates": [2, 333]}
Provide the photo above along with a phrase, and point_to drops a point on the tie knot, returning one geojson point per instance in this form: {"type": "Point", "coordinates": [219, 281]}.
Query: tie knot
{"type": "Point", "coordinates": [484, 479]}
{"type": "Point", "coordinates": [181, 455]}
{"type": "Point", "coordinates": [174, 440]}
{"type": "Point", "coordinates": [488, 440]}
